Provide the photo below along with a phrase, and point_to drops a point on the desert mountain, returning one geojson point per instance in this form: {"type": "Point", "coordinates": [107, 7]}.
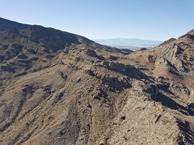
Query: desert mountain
{"type": "Point", "coordinates": [6, 24]}
{"type": "Point", "coordinates": [61, 88]}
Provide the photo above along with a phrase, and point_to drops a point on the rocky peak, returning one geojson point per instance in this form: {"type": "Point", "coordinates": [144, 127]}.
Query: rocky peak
{"type": "Point", "coordinates": [6, 24]}
{"type": "Point", "coordinates": [189, 35]}
{"type": "Point", "coordinates": [60, 88]}
{"type": "Point", "coordinates": [191, 32]}
{"type": "Point", "coordinates": [167, 41]}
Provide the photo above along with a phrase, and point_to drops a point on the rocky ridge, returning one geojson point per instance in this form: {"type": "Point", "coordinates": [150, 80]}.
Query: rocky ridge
{"type": "Point", "coordinates": [61, 88]}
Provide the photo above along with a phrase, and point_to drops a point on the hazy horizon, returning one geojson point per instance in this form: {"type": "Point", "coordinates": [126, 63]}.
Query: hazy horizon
{"type": "Point", "coordinates": [147, 20]}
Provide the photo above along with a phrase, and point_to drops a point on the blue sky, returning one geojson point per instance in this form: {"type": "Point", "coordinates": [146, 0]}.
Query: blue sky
{"type": "Point", "coordinates": [145, 19]}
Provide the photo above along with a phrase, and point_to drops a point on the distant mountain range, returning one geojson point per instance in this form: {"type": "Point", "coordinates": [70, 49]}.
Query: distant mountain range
{"type": "Point", "coordinates": [128, 43]}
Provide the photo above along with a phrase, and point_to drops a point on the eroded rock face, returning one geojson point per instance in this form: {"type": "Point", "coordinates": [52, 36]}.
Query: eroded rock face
{"type": "Point", "coordinates": [60, 88]}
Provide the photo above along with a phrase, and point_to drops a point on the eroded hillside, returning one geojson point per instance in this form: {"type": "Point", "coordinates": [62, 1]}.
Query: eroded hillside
{"type": "Point", "coordinates": [60, 88]}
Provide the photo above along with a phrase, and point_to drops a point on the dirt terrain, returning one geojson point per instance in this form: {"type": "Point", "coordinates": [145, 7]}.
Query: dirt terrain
{"type": "Point", "coordinates": [58, 88]}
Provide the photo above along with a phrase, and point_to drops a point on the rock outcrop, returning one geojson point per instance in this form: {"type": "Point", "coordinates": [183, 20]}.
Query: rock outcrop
{"type": "Point", "coordinates": [60, 88]}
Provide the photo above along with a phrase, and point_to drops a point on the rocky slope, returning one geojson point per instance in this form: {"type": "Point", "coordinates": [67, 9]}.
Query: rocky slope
{"type": "Point", "coordinates": [59, 88]}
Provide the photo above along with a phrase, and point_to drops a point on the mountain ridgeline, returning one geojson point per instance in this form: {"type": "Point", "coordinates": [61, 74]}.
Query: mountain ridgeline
{"type": "Point", "coordinates": [128, 43]}
{"type": "Point", "coordinates": [60, 88]}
